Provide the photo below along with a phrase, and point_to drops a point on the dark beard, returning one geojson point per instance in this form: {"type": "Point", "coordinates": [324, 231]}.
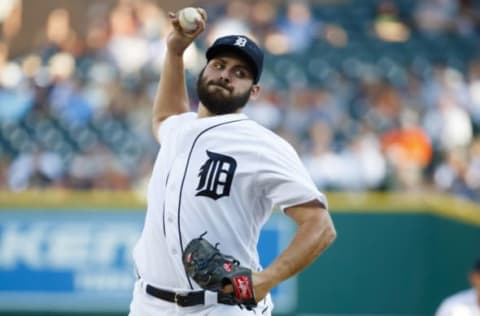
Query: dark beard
{"type": "Point", "coordinates": [216, 102]}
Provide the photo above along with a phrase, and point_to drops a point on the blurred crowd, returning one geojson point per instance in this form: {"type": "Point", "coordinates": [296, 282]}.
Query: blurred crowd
{"type": "Point", "coordinates": [374, 94]}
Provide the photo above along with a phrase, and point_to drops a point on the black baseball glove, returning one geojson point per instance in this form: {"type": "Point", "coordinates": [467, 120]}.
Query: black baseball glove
{"type": "Point", "coordinates": [213, 270]}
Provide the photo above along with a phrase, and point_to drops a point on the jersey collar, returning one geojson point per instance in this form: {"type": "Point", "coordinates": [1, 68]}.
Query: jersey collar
{"type": "Point", "coordinates": [223, 118]}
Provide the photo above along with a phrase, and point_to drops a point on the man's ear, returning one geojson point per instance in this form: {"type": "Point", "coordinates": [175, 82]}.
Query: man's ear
{"type": "Point", "coordinates": [254, 92]}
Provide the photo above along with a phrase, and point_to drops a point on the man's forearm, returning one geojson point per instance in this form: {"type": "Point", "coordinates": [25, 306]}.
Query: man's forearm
{"type": "Point", "coordinates": [313, 236]}
{"type": "Point", "coordinates": [171, 97]}
{"type": "Point", "coordinates": [309, 242]}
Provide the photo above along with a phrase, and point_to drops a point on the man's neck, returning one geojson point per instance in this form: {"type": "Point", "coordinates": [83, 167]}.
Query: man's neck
{"type": "Point", "coordinates": [203, 112]}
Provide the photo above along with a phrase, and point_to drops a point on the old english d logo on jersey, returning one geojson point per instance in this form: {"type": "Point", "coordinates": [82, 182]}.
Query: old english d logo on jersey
{"type": "Point", "coordinates": [216, 176]}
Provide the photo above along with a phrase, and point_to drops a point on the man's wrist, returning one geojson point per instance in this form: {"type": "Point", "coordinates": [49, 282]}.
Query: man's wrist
{"type": "Point", "coordinates": [264, 279]}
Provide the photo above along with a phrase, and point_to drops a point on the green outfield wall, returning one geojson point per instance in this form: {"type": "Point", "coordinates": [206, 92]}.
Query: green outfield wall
{"type": "Point", "coordinates": [395, 254]}
{"type": "Point", "coordinates": [389, 263]}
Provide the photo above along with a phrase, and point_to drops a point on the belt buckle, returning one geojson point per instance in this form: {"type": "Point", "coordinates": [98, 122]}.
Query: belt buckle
{"type": "Point", "coordinates": [181, 299]}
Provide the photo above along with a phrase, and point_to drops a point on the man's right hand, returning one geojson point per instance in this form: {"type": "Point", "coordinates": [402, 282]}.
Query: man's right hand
{"type": "Point", "coordinates": [178, 40]}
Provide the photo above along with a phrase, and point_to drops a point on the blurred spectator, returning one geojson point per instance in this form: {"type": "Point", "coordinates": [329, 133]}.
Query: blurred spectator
{"type": "Point", "coordinates": [450, 175]}
{"type": "Point", "coordinates": [409, 151]}
{"type": "Point", "coordinates": [364, 165]}
{"type": "Point", "coordinates": [388, 25]}
{"type": "Point", "coordinates": [154, 26]}
{"type": "Point", "coordinates": [266, 109]}
{"type": "Point", "coordinates": [297, 112]}
{"type": "Point", "coordinates": [10, 18]}
{"type": "Point", "coordinates": [263, 17]}
{"type": "Point", "coordinates": [15, 98]}
{"type": "Point", "coordinates": [59, 35]}
{"type": "Point", "coordinates": [448, 125]}
{"type": "Point", "coordinates": [323, 164]}
{"type": "Point", "coordinates": [234, 21]}
{"type": "Point", "coordinates": [326, 107]}
{"type": "Point", "coordinates": [129, 50]}
{"type": "Point", "coordinates": [357, 167]}
{"type": "Point", "coordinates": [36, 169]}
{"type": "Point", "coordinates": [435, 16]}
{"type": "Point", "coordinates": [384, 106]}
{"type": "Point", "coordinates": [468, 20]}
{"type": "Point", "coordinates": [97, 168]}
{"type": "Point", "coordinates": [299, 26]}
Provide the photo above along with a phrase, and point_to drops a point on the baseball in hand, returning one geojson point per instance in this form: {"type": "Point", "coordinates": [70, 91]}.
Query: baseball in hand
{"type": "Point", "coordinates": [187, 18]}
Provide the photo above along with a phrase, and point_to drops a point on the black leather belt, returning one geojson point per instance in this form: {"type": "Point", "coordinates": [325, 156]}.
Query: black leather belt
{"type": "Point", "coordinates": [181, 299]}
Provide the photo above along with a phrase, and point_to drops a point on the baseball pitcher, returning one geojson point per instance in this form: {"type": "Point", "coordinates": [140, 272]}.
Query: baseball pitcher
{"type": "Point", "coordinates": [216, 179]}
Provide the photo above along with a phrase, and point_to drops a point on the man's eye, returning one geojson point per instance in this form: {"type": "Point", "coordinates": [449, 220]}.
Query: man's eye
{"type": "Point", "coordinates": [218, 66]}
{"type": "Point", "coordinates": [240, 73]}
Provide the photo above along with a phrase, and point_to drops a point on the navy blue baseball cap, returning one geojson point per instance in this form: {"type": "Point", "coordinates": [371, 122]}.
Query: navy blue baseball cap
{"type": "Point", "coordinates": [244, 47]}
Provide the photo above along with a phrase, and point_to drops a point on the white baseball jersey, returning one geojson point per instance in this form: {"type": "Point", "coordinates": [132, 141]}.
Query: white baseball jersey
{"type": "Point", "coordinates": [222, 175]}
{"type": "Point", "coordinates": [464, 303]}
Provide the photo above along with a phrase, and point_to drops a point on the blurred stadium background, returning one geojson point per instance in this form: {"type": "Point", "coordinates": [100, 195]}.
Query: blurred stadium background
{"type": "Point", "coordinates": [381, 99]}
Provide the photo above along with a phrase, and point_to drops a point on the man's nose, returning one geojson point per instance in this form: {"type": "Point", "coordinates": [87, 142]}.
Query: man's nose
{"type": "Point", "coordinates": [225, 75]}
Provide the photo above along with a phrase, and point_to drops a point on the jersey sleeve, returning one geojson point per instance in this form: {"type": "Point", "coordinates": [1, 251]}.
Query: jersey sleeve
{"type": "Point", "coordinates": [283, 180]}
{"type": "Point", "coordinates": [172, 124]}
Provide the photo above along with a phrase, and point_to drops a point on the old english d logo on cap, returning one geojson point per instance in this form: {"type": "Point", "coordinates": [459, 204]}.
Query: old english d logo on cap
{"type": "Point", "coordinates": [241, 41]}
